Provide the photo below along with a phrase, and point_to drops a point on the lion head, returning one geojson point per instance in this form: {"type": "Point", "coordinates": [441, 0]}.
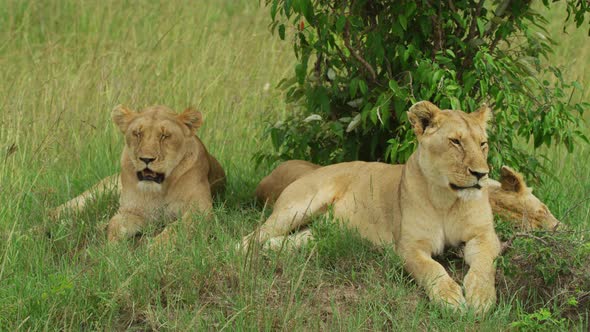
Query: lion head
{"type": "Point", "coordinates": [513, 200]}
{"type": "Point", "coordinates": [156, 140]}
{"type": "Point", "coordinates": [453, 147]}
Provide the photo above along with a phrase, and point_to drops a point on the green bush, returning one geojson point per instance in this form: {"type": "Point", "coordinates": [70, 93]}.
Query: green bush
{"type": "Point", "coordinates": [361, 64]}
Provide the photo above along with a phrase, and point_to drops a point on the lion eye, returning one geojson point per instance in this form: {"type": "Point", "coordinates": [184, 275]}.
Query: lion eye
{"type": "Point", "coordinates": [137, 134]}
{"type": "Point", "coordinates": [164, 136]}
{"type": "Point", "coordinates": [455, 141]}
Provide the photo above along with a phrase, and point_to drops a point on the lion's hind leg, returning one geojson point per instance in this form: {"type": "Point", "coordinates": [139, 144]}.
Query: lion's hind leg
{"type": "Point", "coordinates": [294, 208]}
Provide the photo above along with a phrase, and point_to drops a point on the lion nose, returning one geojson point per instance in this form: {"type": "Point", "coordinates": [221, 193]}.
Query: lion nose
{"type": "Point", "coordinates": [477, 174]}
{"type": "Point", "coordinates": [147, 161]}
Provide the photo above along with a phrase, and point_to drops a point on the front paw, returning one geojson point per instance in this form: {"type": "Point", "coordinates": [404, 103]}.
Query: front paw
{"type": "Point", "coordinates": [167, 236]}
{"type": "Point", "coordinates": [165, 242]}
{"type": "Point", "coordinates": [246, 242]}
{"type": "Point", "coordinates": [253, 239]}
{"type": "Point", "coordinates": [123, 226]}
{"type": "Point", "coordinates": [448, 293]}
{"type": "Point", "coordinates": [480, 292]}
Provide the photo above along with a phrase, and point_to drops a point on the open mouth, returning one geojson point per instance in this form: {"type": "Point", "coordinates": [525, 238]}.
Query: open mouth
{"type": "Point", "coordinates": [149, 175]}
{"type": "Point", "coordinates": [456, 187]}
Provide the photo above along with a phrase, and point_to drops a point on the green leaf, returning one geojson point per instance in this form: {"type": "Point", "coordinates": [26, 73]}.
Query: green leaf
{"type": "Point", "coordinates": [403, 21]}
{"type": "Point", "coordinates": [393, 86]}
{"type": "Point", "coordinates": [306, 7]}
{"type": "Point", "coordinates": [373, 115]}
{"type": "Point", "coordinates": [340, 23]}
{"type": "Point", "coordinates": [276, 138]}
{"type": "Point", "coordinates": [353, 87]}
{"type": "Point", "coordinates": [363, 87]}
{"type": "Point", "coordinates": [282, 31]}
{"type": "Point", "coordinates": [337, 129]}
{"type": "Point", "coordinates": [569, 143]}
{"type": "Point", "coordinates": [481, 26]}
{"type": "Point", "coordinates": [300, 72]}
{"type": "Point", "coordinates": [287, 7]}
{"type": "Point", "coordinates": [273, 9]}
{"type": "Point", "coordinates": [455, 103]}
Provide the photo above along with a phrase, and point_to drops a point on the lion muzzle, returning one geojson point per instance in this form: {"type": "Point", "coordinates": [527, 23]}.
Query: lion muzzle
{"type": "Point", "coordinates": [149, 175]}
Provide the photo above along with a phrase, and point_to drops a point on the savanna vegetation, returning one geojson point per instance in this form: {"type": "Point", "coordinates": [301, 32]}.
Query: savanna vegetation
{"type": "Point", "coordinates": [66, 64]}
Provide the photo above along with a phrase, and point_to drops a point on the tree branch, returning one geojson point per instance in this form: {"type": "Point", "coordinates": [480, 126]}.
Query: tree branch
{"type": "Point", "coordinates": [354, 53]}
{"type": "Point", "coordinates": [468, 58]}
{"type": "Point", "coordinates": [506, 245]}
{"type": "Point", "coordinates": [500, 12]}
{"type": "Point", "coordinates": [438, 33]}
{"type": "Point", "coordinates": [473, 28]}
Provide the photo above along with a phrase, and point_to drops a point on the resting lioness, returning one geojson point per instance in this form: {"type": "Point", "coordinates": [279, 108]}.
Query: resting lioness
{"type": "Point", "coordinates": [166, 172]}
{"type": "Point", "coordinates": [438, 198]}
{"type": "Point", "coordinates": [509, 197]}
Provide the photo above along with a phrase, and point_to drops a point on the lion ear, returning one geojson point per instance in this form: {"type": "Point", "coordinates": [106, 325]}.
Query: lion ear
{"type": "Point", "coordinates": [483, 114]}
{"type": "Point", "coordinates": [511, 180]}
{"type": "Point", "coordinates": [421, 116]}
{"type": "Point", "coordinates": [192, 118]}
{"type": "Point", "coordinates": [122, 117]}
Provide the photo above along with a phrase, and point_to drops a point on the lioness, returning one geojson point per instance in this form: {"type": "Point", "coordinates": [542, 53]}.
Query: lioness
{"type": "Point", "coordinates": [166, 171]}
{"type": "Point", "coordinates": [438, 198]}
{"type": "Point", "coordinates": [509, 197]}
{"type": "Point", "coordinates": [513, 200]}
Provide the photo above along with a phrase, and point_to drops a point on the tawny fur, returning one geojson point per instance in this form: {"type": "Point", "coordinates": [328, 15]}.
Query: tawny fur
{"type": "Point", "coordinates": [510, 198]}
{"type": "Point", "coordinates": [191, 174]}
{"type": "Point", "coordinates": [271, 187]}
{"type": "Point", "coordinates": [514, 201]}
{"type": "Point", "coordinates": [431, 202]}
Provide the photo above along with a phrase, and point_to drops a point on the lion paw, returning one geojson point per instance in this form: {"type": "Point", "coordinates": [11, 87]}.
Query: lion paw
{"type": "Point", "coordinates": [123, 226]}
{"type": "Point", "coordinates": [251, 239]}
{"type": "Point", "coordinates": [163, 242]}
{"type": "Point", "coordinates": [167, 236]}
{"type": "Point", "coordinates": [448, 293]}
{"type": "Point", "coordinates": [244, 245]}
{"type": "Point", "coordinates": [480, 292]}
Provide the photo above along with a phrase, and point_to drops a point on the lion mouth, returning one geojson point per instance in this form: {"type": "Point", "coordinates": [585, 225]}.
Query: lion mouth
{"type": "Point", "coordinates": [149, 175]}
{"type": "Point", "coordinates": [456, 187]}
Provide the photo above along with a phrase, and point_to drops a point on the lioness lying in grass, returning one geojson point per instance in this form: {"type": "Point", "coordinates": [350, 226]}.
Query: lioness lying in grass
{"type": "Point", "coordinates": [166, 171]}
{"type": "Point", "coordinates": [510, 197]}
{"type": "Point", "coordinates": [438, 198]}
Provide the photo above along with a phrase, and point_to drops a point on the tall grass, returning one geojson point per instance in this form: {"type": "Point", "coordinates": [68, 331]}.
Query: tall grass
{"type": "Point", "coordinates": [65, 64]}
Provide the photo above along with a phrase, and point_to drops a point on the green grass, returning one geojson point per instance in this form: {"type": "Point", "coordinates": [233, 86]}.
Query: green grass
{"type": "Point", "coordinates": [66, 64]}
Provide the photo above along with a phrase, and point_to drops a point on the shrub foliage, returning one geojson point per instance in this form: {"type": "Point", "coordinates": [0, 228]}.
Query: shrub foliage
{"type": "Point", "coordinates": [362, 63]}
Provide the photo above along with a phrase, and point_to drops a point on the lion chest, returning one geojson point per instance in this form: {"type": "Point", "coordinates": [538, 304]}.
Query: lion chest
{"type": "Point", "coordinates": [430, 230]}
{"type": "Point", "coordinates": [153, 206]}
{"type": "Point", "coordinates": [467, 219]}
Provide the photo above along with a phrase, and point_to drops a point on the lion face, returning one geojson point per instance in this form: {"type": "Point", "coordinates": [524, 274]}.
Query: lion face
{"type": "Point", "coordinates": [453, 147]}
{"type": "Point", "coordinates": [156, 141]}
{"type": "Point", "coordinates": [512, 199]}
{"type": "Point", "coordinates": [537, 213]}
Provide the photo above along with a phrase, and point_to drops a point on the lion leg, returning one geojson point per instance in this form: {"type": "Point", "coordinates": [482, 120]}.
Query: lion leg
{"type": "Point", "coordinates": [479, 282]}
{"type": "Point", "coordinates": [168, 235]}
{"type": "Point", "coordinates": [290, 242]}
{"type": "Point", "coordinates": [292, 210]}
{"type": "Point", "coordinates": [201, 203]}
{"type": "Point", "coordinates": [124, 225]}
{"type": "Point", "coordinates": [433, 277]}
{"type": "Point", "coordinates": [78, 203]}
